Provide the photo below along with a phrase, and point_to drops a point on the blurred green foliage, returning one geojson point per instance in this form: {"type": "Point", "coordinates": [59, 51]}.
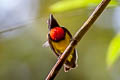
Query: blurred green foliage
{"type": "Point", "coordinates": [22, 56]}
{"type": "Point", "coordinates": [66, 5]}
{"type": "Point", "coordinates": [113, 51]}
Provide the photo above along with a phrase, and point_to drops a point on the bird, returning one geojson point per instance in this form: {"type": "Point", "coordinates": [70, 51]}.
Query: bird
{"type": "Point", "coordinates": [58, 40]}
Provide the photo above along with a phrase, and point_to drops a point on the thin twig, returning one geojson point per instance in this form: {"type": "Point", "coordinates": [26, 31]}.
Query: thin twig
{"type": "Point", "coordinates": [20, 25]}
{"type": "Point", "coordinates": [77, 37]}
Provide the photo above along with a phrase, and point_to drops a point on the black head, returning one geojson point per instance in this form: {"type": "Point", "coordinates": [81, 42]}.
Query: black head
{"type": "Point", "coordinates": [52, 22]}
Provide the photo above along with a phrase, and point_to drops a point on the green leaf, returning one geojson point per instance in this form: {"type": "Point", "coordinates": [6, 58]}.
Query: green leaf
{"type": "Point", "coordinates": [113, 51]}
{"type": "Point", "coordinates": [66, 5]}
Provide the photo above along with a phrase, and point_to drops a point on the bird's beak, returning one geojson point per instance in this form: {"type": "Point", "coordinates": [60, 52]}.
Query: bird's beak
{"type": "Point", "coordinates": [52, 22]}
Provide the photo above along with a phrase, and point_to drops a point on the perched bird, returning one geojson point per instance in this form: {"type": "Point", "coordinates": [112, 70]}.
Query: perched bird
{"type": "Point", "coordinates": [58, 39]}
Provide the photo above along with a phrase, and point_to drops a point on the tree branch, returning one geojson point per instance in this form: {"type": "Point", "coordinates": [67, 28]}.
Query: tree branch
{"type": "Point", "coordinates": [77, 37]}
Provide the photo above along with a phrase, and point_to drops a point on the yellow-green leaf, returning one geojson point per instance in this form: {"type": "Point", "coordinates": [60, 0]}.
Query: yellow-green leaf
{"type": "Point", "coordinates": [113, 51]}
{"type": "Point", "coordinates": [66, 5]}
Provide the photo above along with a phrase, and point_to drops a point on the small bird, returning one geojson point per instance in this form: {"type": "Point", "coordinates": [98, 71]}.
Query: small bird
{"type": "Point", "coordinates": [58, 40]}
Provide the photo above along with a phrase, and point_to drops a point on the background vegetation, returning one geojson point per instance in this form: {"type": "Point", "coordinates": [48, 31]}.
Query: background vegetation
{"type": "Point", "coordinates": [22, 56]}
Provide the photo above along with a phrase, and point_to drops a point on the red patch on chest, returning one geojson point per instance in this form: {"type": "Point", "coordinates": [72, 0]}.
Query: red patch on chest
{"type": "Point", "coordinates": [57, 33]}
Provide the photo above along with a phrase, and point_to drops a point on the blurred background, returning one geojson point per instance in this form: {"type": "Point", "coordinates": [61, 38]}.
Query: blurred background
{"type": "Point", "coordinates": [23, 31]}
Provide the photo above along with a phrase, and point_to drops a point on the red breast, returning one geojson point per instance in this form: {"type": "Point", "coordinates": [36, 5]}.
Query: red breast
{"type": "Point", "coordinates": [57, 33]}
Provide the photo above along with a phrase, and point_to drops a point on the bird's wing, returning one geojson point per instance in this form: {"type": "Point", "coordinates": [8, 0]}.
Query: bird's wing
{"type": "Point", "coordinates": [51, 46]}
{"type": "Point", "coordinates": [67, 32]}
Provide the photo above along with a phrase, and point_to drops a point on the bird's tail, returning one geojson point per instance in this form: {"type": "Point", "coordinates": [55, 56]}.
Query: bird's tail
{"type": "Point", "coordinates": [72, 63]}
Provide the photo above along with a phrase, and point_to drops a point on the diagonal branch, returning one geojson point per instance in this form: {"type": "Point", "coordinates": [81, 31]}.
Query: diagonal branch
{"type": "Point", "coordinates": [77, 37]}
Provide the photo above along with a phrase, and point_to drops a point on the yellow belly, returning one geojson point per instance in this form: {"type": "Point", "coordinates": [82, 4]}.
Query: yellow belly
{"type": "Point", "coordinates": [62, 45]}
